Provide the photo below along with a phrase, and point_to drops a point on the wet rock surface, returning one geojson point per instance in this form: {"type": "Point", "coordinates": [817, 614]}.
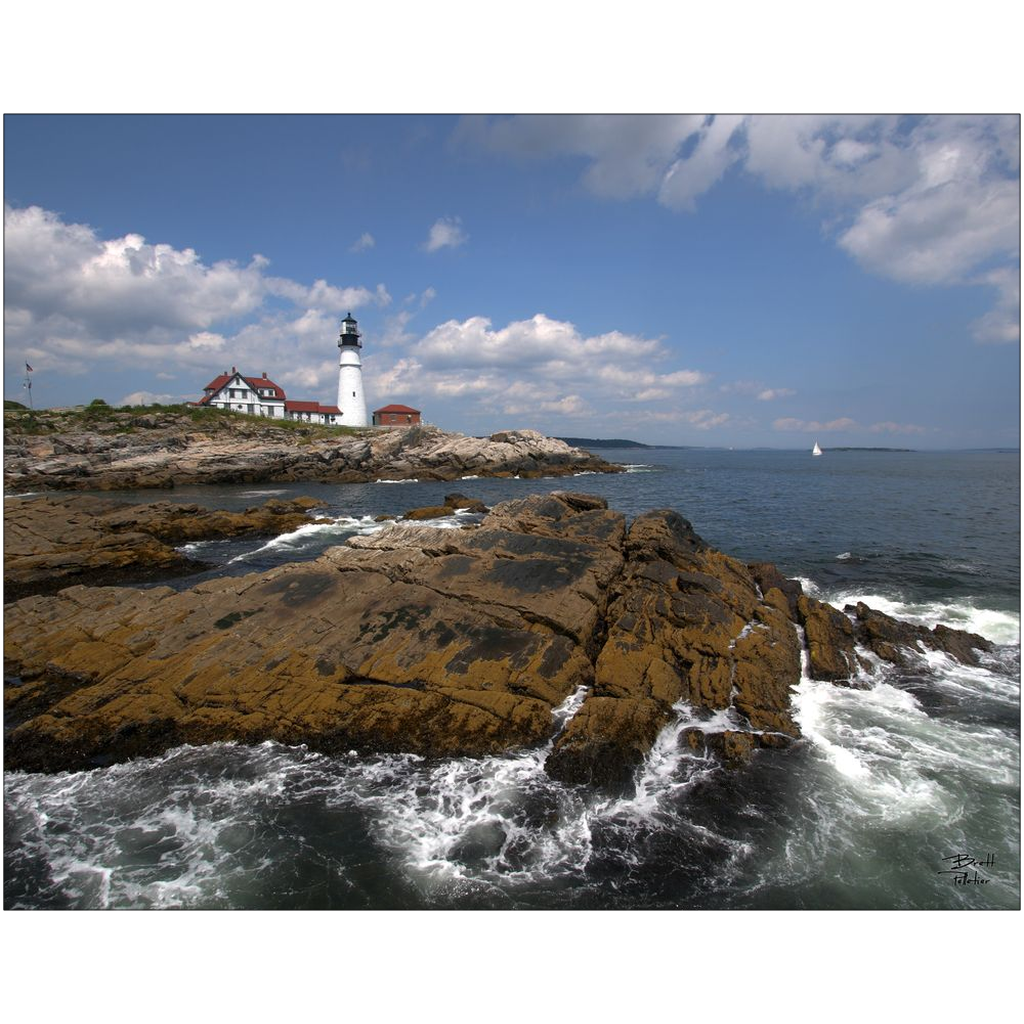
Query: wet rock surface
{"type": "Point", "coordinates": [124, 451]}
{"type": "Point", "coordinates": [438, 642]}
{"type": "Point", "coordinates": [51, 542]}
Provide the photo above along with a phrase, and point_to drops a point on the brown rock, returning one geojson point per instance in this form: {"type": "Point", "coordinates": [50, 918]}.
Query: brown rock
{"type": "Point", "coordinates": [606, 741]}
{"type": "Point", "coordinates": [892, 639]}
{"type": "Point", "coordinates": [830, 640]}
{"type": "Point", "coordinates": [460, 501]}
{"type": "Point", "coordinates": [76, 450]}
{"type": "Point", "coordinates": [53, 541]}
{"type": "Point", "coordinates": [433, 641]}
{"type": "Point", "coordinates": [428, 512]}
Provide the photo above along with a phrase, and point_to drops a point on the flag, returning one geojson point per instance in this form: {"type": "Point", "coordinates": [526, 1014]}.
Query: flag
{"type": "Point", "coordinates": [28, 369]}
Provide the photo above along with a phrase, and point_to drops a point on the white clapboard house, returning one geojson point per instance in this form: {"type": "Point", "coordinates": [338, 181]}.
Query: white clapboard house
{"type": "Point", "coordinates": [260, 396]}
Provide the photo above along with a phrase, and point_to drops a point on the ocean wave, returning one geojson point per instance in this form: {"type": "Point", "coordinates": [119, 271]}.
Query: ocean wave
{"type": "Point", "coordinates": [1001, 627]}
{"type": "Point", "coordinates": [412, 480]}
{"type": "Point", "coordinates": [297, 539]}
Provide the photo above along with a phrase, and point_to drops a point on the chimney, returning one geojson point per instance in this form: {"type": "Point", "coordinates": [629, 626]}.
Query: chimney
{"type": "Point", "coordinates": [233, 370]}
{"type": "Point", "coordinates": [264, 374]}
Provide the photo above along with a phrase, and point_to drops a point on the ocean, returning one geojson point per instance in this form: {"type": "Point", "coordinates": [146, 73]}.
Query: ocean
{"type": "Point", "coordinates": [904, 794]}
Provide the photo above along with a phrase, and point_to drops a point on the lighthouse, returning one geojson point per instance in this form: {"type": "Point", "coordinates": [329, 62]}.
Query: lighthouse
{"type": "Point", "coordinates": [351, 400]}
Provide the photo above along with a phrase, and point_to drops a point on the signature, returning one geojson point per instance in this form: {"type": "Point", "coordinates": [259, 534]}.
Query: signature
{"type": "Point", "coordinates": [962, 865]}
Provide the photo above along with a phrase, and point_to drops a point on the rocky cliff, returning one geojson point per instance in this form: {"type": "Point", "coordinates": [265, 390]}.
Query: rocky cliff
{"type": "Point", "coordinates": [441, 642]}
{"type": "Point", "coordinates": [104, 449]}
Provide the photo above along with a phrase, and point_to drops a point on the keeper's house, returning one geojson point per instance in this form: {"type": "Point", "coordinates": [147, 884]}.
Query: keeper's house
{"type": "Point", "coordinates": [396, 416]}
{"type": "Point", "coordinates": [260, 396]}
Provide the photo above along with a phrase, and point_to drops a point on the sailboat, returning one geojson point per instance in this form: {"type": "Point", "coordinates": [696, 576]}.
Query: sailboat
{"type": "Point", "coordinates": [816, 450]}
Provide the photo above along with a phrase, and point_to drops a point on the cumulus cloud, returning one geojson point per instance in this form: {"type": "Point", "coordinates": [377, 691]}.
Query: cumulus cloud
{"type": "Point", "coordinates": [74, 301]}
{"type": "Point", "coordinates": [321, 295]}
{"type": "Point", "coordinates": [540, 340]}
{"type": "Point", "coordinates": [364, 241]}
{"type": "Point", "coordinates": [770, 394]}
{"type": "Point", "coordinates": [446, 232]}
{"type": "Point", "coordinates": [540, 367]}
{"type": "Point", "coordinates": [923, 200]}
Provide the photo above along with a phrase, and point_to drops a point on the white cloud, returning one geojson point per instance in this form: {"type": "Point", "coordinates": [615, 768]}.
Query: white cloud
{"type": "Point", "coordinates": [540, 367]}
{"type": "Point", "coordinates": [628, 155]}
{"type": "Point", "coordinates": [814, 426]}
{"type": "Point", "coordinates": [556, 344]}
{"type": "Point", "coordinates": [446, 233]}
{"type": "Point", "coordinates": [770, 394]}
{"type": "Point", "coordinates": [713, 153]}
{"type": "Point", "coordinates": [705, 419]}
{"type": "Point", "coordinates": [1002, 323]}
{"type": "Point", "coordinates": [930, 201]}
{"type": "Point", "coordinates": [120, 284]}
{"type": "Point", "coordinates": [324, 296]}
{"type": "Point", "coordinates": [364, 241]}
{"type": "Point", "coordinates": [148, 398]}
{"type": "Point", "coordinates": [897, 428]}
{"type": "Point", "coordinates": [75, 302]}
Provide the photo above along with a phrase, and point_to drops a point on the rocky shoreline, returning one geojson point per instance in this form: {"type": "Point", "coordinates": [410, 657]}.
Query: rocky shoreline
{"type": "Point", "coordinates": [54, 541]}
{"type": "Point", "coordinates": [445, 642]}
{"type": "Point", "coordinates": [126, 450]}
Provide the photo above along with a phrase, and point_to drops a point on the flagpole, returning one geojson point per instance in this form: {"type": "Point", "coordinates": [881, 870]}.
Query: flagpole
{"type": "Point", "coordinates": [28, 384]}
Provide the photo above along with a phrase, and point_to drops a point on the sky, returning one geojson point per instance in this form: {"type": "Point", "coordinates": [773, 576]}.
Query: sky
{"type": "Point", "coordinates": [725, 280]}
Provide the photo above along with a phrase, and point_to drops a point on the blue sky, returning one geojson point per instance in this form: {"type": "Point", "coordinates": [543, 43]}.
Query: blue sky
{"type": "Point", "coordinates": [690, 279]}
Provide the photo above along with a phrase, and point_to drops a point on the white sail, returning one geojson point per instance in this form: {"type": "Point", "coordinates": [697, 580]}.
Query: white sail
{"type": "Point", "coordinates": [816, 450]}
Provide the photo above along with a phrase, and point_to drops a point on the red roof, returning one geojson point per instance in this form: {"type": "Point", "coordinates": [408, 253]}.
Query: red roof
{"type": "Point", "coordinates": [395, 408]}
{"type": "Point", "coordinates": [218, 382]}
{"type": "Point", "coordinates": [330, 410]}
{"type": "Point", "coordinates": [254, 382]}
{"type": "Point", "coordinates": [263, 382]}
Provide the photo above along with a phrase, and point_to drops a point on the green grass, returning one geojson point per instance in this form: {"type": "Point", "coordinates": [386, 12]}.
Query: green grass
{"type": "Point", "coordinates": [129, 419]}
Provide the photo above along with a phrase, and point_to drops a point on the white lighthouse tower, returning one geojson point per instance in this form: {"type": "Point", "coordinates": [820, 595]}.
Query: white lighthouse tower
{"type": "Point", "coordinates": [351, 400]}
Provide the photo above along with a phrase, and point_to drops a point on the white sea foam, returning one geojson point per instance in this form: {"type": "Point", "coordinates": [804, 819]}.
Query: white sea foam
{"type": "Point", "coordinates": [810, 588]}
{"type": "Point", "coordinates": [475, 819]}
{"type": "Point", "coordinates": [998, 626]}
{"type": "Point", "coordinates": [258, 494]}
{"type": "Point", "coordinates": [413, 480]}
{"type": "Point", "coordinates": [638, 467]}
{"type": "Point", "coordinates": [297, 539]}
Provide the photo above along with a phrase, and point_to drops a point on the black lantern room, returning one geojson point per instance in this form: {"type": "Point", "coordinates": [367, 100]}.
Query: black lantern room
{"type": "Point", "coordinates": [349, 333]}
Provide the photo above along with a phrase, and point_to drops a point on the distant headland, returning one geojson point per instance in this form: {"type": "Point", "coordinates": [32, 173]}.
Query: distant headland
{"type": "Point", "coordinates": [615, 442]}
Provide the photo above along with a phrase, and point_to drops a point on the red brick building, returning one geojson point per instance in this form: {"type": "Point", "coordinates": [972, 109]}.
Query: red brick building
{"type": "Point", "coordinates": [396, 416]}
